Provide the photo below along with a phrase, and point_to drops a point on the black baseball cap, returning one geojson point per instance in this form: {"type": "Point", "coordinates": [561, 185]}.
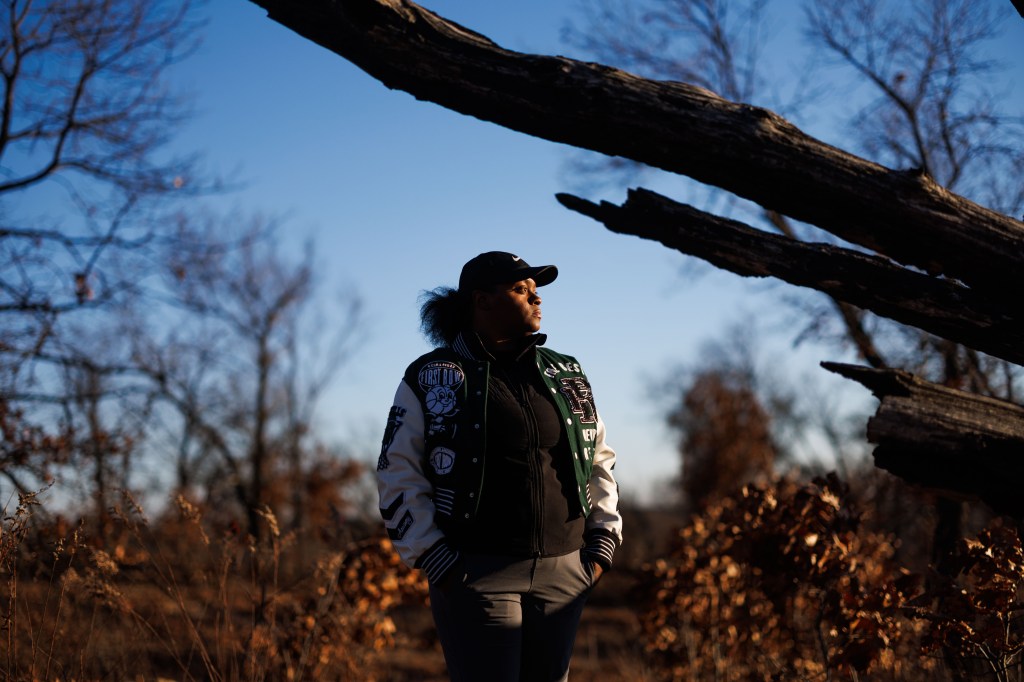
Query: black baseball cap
{"type": "Point", "coordinates": [498, 267]}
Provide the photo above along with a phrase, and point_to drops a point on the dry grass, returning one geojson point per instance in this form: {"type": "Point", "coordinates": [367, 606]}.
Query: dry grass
{"type": "Point", "coordinates": [175, 600]}
{"type": "Point", "coordinates": [179, 599]}
{"type": "Point", "coordinates": [186, 598]}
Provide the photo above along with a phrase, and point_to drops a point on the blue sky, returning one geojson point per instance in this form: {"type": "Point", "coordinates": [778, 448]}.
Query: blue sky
{"type": "Point", "coordinates": [398, 194]}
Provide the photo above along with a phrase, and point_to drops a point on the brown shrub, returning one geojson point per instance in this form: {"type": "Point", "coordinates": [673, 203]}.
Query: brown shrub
{"type": "Point", "coordinates": [777, 582]}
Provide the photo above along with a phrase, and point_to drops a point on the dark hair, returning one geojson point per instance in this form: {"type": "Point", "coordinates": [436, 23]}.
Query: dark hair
{"type": "Point", "coordinates": [444, 312]}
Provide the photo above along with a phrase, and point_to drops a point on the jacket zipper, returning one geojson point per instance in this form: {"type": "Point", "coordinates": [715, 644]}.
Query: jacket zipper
{"type": "Point", "coordinates": [518, 386]}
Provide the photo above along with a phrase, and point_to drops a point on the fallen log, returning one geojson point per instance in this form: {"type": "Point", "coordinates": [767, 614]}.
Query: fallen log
{"type": "Point", "coordinates": [744, 149]}
{"type": "Point", "coordinates": [939, 306]}
{"type": "Point", "coordinates": [942, 438]}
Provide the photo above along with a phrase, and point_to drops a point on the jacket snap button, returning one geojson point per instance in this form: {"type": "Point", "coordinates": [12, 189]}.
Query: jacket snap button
{"type": "Point", "coordinates": [472, 495]}
{"type": "Point", "coordinates": [476, 426]}
{"type": "Point", "coordinates": [467, 516]}
{"type": "Point", "coordinates": [474, 460]}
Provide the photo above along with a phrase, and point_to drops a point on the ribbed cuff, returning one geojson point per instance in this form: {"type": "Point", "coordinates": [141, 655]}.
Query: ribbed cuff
{"type": "Point", "coordinates": [600, 547]}
{"type": "Point", "coordinates": [437, 561]}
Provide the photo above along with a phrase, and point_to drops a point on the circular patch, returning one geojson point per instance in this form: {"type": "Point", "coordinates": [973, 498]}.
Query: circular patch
{"type": "Point", "coordinates": [442, 460]}
{"type": "Point", "coordinates": [441, 374]}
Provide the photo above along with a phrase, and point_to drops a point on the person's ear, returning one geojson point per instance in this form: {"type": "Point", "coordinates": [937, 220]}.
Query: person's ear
{"type": "Point", "coordinates": [481, 300]}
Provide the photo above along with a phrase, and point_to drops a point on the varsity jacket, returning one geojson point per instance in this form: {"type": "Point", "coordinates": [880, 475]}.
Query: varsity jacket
{"type": "Point", "coordinates": [433, 455]}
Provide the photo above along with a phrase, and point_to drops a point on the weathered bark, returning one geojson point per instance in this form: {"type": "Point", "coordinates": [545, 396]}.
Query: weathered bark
{"type": "Point", "coordinates": [747, 150]}
{"type": "Point", "coordinates": [939, 306]}
{"type": "Point", "coordinates": [927, 434]}
{"type": "Point", "coordinates": [946, 439]}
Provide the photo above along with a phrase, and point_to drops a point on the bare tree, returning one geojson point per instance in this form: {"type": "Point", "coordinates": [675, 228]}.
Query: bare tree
{"type": "Point", "coordinates": [85, 180]}
{"type": "Point", "coordinates": [127, 320]}
{"type": "Point", "coordinates": [931, 109]}
{"type": "Point", "coordinates": [244, 367]}
{"type": "Point", "coordinates": [714, 44]}
{"type": "Point", "coordinates": [932, 106]}
{"type": "Point", "coordinates": [85, 118]}
{"type": "Point", "coordinates": [742, 416]}
{"type": "Point", "coordinates": [106, 439]}
{"type": "Point", "coordinates": [725, 436]}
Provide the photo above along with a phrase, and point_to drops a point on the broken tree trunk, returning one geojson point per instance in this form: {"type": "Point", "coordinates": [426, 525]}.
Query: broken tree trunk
{"type": "Point", "coordinates": [939, 306]}
{"type": "Point", "coordinates": [945, 439]}
{"type": "Point", "coordinates": [746, 150]}
{"type": "Point", "coordinates": [927, 434]}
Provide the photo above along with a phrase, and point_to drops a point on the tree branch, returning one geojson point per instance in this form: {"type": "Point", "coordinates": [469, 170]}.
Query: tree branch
{"type": "Point", "coordinates": [939, 437]}
{"type": "Point", "coordinates": [747, 150]}
{"type": "Point", "coordinates": [939, 306]}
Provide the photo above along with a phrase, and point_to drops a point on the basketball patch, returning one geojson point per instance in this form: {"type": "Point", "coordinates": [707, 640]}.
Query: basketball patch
{"type": "Point", "coordinates": [440, 382]}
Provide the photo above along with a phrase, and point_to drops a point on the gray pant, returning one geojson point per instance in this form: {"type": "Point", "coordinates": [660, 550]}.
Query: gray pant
{"type": "Point", "coordinates": [512, 619]}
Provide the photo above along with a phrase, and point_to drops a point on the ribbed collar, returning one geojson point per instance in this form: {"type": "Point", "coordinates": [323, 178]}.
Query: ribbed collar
{"type": "Point", "coordinates": [469, 345]}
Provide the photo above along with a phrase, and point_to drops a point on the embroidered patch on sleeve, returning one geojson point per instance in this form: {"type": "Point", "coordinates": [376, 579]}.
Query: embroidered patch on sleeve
{"type": "Point", "coordinates": [394, 423]}
{"type": "Point", "coordinates": [399, 531]}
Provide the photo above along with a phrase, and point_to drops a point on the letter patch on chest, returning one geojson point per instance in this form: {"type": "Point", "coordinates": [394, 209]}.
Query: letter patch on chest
{"type": "Point", "coordinates": [581, 399]}
{"type": "Point", "coordinates": [440, 381]}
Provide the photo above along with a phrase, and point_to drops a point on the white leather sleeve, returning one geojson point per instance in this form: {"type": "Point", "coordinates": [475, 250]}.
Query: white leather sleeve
{"type": "Point", "coordinates": [604, 491]}
{"type": "Point", "coordinates": [406, 503]}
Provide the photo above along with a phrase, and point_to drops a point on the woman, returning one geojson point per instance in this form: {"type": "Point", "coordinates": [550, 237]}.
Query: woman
{"type": "Point", "coordinates": [495, 478]}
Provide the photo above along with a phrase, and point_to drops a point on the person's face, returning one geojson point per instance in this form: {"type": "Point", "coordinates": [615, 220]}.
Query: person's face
{"type": "Point", "coordinates": [511, 310]}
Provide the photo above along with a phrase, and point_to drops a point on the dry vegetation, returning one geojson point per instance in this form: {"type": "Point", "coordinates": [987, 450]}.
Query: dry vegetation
{"type": "Point", "coordinates": [775, 582]}
{"type": "Point", "coordinates": [180, 599]}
